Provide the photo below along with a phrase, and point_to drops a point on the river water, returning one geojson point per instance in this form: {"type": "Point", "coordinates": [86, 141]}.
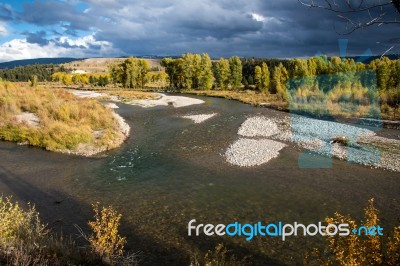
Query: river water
{"type": "Point", "coordinates": [171, 171]}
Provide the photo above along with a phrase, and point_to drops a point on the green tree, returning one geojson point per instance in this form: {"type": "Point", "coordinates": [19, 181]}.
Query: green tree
{"type": "Point", "coordinates": [279, 79]}
{"type": "Point", "coordinates": [262, 77]}
{"type": "Point", "coordinates": [235, 65]}
{"type": "Point", "coordinates": [143, 70]}
{"type": "Point", "coordinates": [33, 80]}
{"type": "Point", "coordinates": [170, 68]}
{"type": "Point", "coordinates": [116, 73]}
{"type": "Point", "coordinates": [299, 68]}
{"type": "Point", "coordinates": [206, 76]}
{"type": "Point", "coordinates": [134, 72]}
{"type": "Point", "coordinates": [222, 74]}
{"type": "Point", "coordinates": [191, 70]}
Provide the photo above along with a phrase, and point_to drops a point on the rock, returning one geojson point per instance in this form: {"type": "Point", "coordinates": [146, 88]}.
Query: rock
{"type": "Point", "coordinates": [341, 140]}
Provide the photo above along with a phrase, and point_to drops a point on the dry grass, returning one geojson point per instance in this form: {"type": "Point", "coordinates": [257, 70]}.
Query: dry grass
{"type": "Point", "coordinates": [220, 256]}
{"type": "Point", "coordinates": [251, 97]}
{"type": "Point", "coordinates": [25, 240]}
{"type": "Point", "coordinates": [129, 95]}
{"type": "Point", "coordinates": [65, 120]}
{"type": "Point", "coordinates": [315, 103]}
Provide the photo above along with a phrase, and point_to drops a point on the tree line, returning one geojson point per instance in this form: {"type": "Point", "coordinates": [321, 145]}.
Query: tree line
{"type": "Point", "coordinates": [101, 80]}
{"type": "Point", "coordinates": [195, 71]}
{"type": "Point", "coordinates": [42, 72]}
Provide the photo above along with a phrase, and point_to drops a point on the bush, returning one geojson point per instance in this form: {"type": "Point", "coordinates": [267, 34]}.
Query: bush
{"type": "Point", "coordinates": [105, 239]}
{"type": "Point", "coordinates": [220, 256]}
{"type": "Point", "coordinates": [20, 228]}
{"type": "Point", "coordinates": [358, 250]}
{"type": "Point", "coordinates": [25, 240]}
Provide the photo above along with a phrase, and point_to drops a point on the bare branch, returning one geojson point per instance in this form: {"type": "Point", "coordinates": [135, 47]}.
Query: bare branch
{"type": "Point", "coordinates": [345, 9]}
{"type": "Point", "coordinates": [386, 52]}
{"type": "Point", "coordinates": [352, 10]}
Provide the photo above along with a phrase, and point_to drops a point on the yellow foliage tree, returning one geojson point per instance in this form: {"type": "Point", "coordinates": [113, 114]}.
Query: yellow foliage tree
{"type": "Point", "coordinates": [355, 250]}
{"type": "Point", "coordinates": [105, 239]}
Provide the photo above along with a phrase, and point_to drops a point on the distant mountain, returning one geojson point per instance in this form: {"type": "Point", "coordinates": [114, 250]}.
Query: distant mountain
{"type": "Point", "coordinates": [25, 62]}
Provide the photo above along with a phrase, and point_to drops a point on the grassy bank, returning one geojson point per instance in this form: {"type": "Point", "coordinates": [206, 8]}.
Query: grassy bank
{"type": "Point", "coordinates": [247, 96]}
{"type": "Point", "coordinates": [122, 94]}
{"type": "Point", "coordinates": [321, 107]}
{"type": "Point", "coordinates": [56, 120]}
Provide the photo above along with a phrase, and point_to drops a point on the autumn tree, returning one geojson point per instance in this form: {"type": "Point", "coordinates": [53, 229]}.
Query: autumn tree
{"type": "Point", "coordinates": [169, 65]}
{"type": "Point", "coordinates": [222, 73]}
{"type": "Point", "coordinates": [116, 73]}
{"type": "Point", "coordinates": [206, 75]}
{"type": "Point", "coordinates": [280, 76]}
{"type": "Point", "coordinates": [262, 77]}
{"type": "Point", "coordinates": [133, 73]}
{"type": "Point", "coordinates": [235, 65]}
{"type": "Point", "coordinates": [191, 70]}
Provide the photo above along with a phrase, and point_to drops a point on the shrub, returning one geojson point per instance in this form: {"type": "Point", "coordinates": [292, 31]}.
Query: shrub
{"type": "Point", "coordinates": [25, 240]}
{"type": "Point", "coordinates": [218, 257]}
{"type": "Point", "coordinates": [105, 239]}
{"type": "Point", "coordinates": [358, 250]}
{"type": "Point", "coordinates": [19, 227]}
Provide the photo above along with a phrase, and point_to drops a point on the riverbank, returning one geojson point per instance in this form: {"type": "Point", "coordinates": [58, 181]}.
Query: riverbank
{"type": "Point", "coordinates": [271, 101]}
{"type": "Point", "coordinates": [56, 120]}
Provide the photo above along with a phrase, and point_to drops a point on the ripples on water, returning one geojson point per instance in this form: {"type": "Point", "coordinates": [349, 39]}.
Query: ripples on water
{"type": "Point", "coordinates": [171, 171]}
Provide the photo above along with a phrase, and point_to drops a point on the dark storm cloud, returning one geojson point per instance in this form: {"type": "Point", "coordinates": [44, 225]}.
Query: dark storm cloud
{"type": "Point", "coordinates": [260, 28]}
{"type": "Point", "coordinates": [38, 37]}
{"type": "Point", "coordinates": [45, 13]}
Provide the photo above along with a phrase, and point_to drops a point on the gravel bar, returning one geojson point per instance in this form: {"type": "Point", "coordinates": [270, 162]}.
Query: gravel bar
{"type": "Point", "coordinates": [251, 152]}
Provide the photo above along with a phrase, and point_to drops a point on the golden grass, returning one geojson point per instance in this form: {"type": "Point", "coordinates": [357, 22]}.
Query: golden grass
{"type": "Point", "coordinates": [25, 240]}
{"type": "Point", "coordinates": [129, 95]}
{"type": "Point", "coordinates": [220, 256]}
{"type": "Point", "coordinates": [251, 97]}
{"type": "Point", "coordinates": [319, 105]}
{"type": "Point", "coordinates": [65, 121]}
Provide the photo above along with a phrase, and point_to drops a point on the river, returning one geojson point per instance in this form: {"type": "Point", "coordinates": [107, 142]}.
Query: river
{"type": "Point", "coordinates": [171, 171]}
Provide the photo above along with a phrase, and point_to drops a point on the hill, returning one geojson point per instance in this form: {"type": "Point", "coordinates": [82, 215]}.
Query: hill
{"type": "Point", "coordinates": [25, 62]}
{"type": "Point", "coordinates": [100, 65]}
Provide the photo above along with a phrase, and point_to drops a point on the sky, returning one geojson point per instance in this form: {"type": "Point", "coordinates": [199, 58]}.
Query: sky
{"type": "Point", "coordinates": [221, 28]}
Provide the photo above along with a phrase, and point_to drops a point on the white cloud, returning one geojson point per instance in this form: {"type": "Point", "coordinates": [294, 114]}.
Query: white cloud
{"type": "Point", "coordinates": [86, 42]}
{"type": "Point", "coordinates": [258, 17]}
{"type": "Point", "coordinates": [261, 18]}
{"type": "Point", "coordinates": [80, 47]}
